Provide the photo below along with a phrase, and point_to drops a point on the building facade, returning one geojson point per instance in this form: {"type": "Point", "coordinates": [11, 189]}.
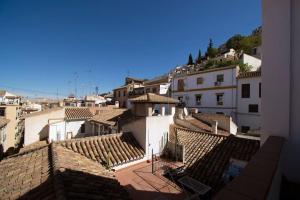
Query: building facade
{"type": "Point", "coordinates": [123, 93]}
{"type": "Point", "coordinates": [209, 91]}
{"type": "Point", "coordinates": [15, 128]}
{"type": "Point", "coordinates": [249, 101]}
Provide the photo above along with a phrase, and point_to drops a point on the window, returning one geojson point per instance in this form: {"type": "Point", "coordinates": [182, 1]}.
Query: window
{"type": "Point", "coordinates": [259, 90]}
{"type": "Point", "coordinates": [220, 78]}
{"type": "Point", "coordinates": [220, 113]}
{"type": "Point", "coordinates": [147, 90]}
{"type": "Point", "coordinates": [119, 93]}
{"type": "Point", "coordinates": [180, 99]}
{"type": "Point", "coordinates": [180, 85]}
{"type": "Point", "coordinates": [245, 129]}
{"type": "Point", "coordinates": [199, 80]}
{"type": "Point", "coordinates": [198, 99]}
{"type": "Point", "coordinates": [245, 90]}
{"type": "Point", "coordinates": [154, 90]}
{"type": "Point", "coordinates": [220, 99]}
{"type": "Point", "coordinates": [124, 93]}
{"type": "Point", "coordinates": [82, 128]}
{"type": "Point", "coordinates": [253, 108]}
{"type": "Point", "coordinates": [2, 112]}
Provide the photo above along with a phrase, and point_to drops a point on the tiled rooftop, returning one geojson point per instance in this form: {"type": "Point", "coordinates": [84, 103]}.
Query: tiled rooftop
{"type": "Point", "coordinates": [78, 113]}
{"type": "Point", "coordinates": [56, 172]}
{"type": "Point", "coordinates": [256, 180]}
{"type": "Point", "coordinates": [153, 98]}
{"type": "Point", "coordinates": [26, 172]}
{"type": "Point", "coordinates": [3, 121]}
{"type": "Point", "coordinates": [108, 116]}
{"type": "Point", "coordinates": [207, 155]}
{"type": "Point", "coordinates": [249, 74]}
{"type": "Point", "coordinates": [122, 148]}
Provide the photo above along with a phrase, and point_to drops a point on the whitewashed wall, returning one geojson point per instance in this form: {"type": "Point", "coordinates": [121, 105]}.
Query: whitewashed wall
{"type": "Point", "coordinates": [138, 130]}
{"type": "Point", "coordinates": [157, 130]}
{"type": "Point", "coordinates": [74, 127]}
{"type": "Point", "coordinates": [150, 132]}
{"type": "Point", "coordinates": [37, 125]}
{"type": "Point", "coordinates": [281, 80]}
{"type": "Point", "coordinates": [209, 99]}
{"type": "Point", "coordinates": [59, 130]}
{"type": "Point", "coordinates": [244, 118]}
{"type": "Point", "coordinates": [250, 60]}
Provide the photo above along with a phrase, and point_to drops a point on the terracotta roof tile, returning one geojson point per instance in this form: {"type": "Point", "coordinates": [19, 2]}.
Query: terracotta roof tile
{"type": "Point", "coordinates": [3, 121]}
{"type": "Point", "coordinates": [207, 155]}
{"type": "Point", "coordinates": [249, 74]}
{"type": "Point", "coordinates": [108, 116]}
{"type": "Point", "coordinates": [27, 175]}
{"type": "Point", "coordinates": [55, 172]}
{"type": "Point", "coordinates": [120, 148]}
{"type": "Point", "coordinates": [78, 113]}
{"type": "Point", "coordinates": [153, 98]}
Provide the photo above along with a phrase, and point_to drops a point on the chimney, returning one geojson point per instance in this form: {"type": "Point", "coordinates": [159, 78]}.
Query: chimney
{"type": "Point", "coordinates": [149, 111]}
{"type": "Point", "coordinates": [214, 127]}
{"type": "Point", "coordinates": [163, 111]}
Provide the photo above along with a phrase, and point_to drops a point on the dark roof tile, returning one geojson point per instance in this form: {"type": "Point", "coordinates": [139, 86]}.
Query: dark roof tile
{"type": "Point", "coordinates": [207, 155]}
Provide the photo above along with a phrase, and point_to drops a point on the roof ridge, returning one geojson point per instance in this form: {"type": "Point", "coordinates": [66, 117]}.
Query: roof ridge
{"type": "Point", "coordinates": [88, 138]}
{"type": "Point", "coordinates": [202, 132]}
{"type": "Point", "coordinates": [26, 152]}
{"type": "Point", "coordinates": [58, 186]}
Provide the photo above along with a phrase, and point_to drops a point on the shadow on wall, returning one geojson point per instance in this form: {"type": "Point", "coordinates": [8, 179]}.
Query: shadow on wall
{"type": "Point", "coordinates": [213, 159]}
{"type": "Point", "coordinates": [44, 133]}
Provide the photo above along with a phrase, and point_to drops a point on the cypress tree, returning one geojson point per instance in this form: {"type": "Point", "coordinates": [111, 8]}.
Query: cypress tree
{"type": "Point", "coordinates": [198, 61]}
{"type": "Point", "coordinates": [190, 62]}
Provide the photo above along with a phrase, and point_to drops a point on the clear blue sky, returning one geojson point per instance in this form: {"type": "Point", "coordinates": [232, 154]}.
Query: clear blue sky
{"type": "Point", "coordinates": [44, 43]}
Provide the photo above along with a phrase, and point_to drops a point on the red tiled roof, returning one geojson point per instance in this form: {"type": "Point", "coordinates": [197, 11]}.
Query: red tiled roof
{"type": "Point", "coordinates": [153, 98]}
{"type": "Point", "coordinates": [108, 116]}
{"type": "Point", "coordinates": [56, 172]}
{"type": "Point", "coordinates": [77, 113]}
{"type": "Point", "coordinates": [119, 148]}
{"type": "Point", "coordinates": [3, 121]}
{"type": "Point", "coordinates": [249, 74]}
{"type": "Point", "coordinates": [207, 155]}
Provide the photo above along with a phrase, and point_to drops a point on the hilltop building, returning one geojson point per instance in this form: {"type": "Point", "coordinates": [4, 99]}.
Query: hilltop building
{"type": "Point", "coordinates": [249, 102]}
{"type": "Point", "coordinates": [7, 98]}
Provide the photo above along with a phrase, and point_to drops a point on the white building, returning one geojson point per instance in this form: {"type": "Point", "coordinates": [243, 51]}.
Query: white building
{"type": "Point", "coordinates": [55, 124]}
{"type": "Point", "coordinates": [252, 61]}
{"type": "Point", "coordinates": [153, 115]}
{"type": "Point", "coordinates": [210, 91]}
{"type": "Point", "coordinates": [7, 98]}
{"type": "Point", "coordinates": [248, 101]}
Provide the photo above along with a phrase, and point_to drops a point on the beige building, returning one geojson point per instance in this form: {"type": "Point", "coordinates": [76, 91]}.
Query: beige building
{"type": "Point", "coordinates": [15, 127]}
{"type": "Point", "coordinates": [158, 85]}
{"type": "Point", "coordinates": [3, 133]}
{"type": "Point", "coordinates": [123, 93]}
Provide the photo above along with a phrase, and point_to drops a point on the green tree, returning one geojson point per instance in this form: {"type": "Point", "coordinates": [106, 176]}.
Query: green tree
{"type": "Point", "coordinates": [211, 52]}
{"type": "Point", "coordinates": [235, 42]}
{"type": "Point", "coordinates": [190, 62]}
{"type": "Point", "coordinates": [245, 67]}
{"type": "Point", "coordinates": [198, 60]}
